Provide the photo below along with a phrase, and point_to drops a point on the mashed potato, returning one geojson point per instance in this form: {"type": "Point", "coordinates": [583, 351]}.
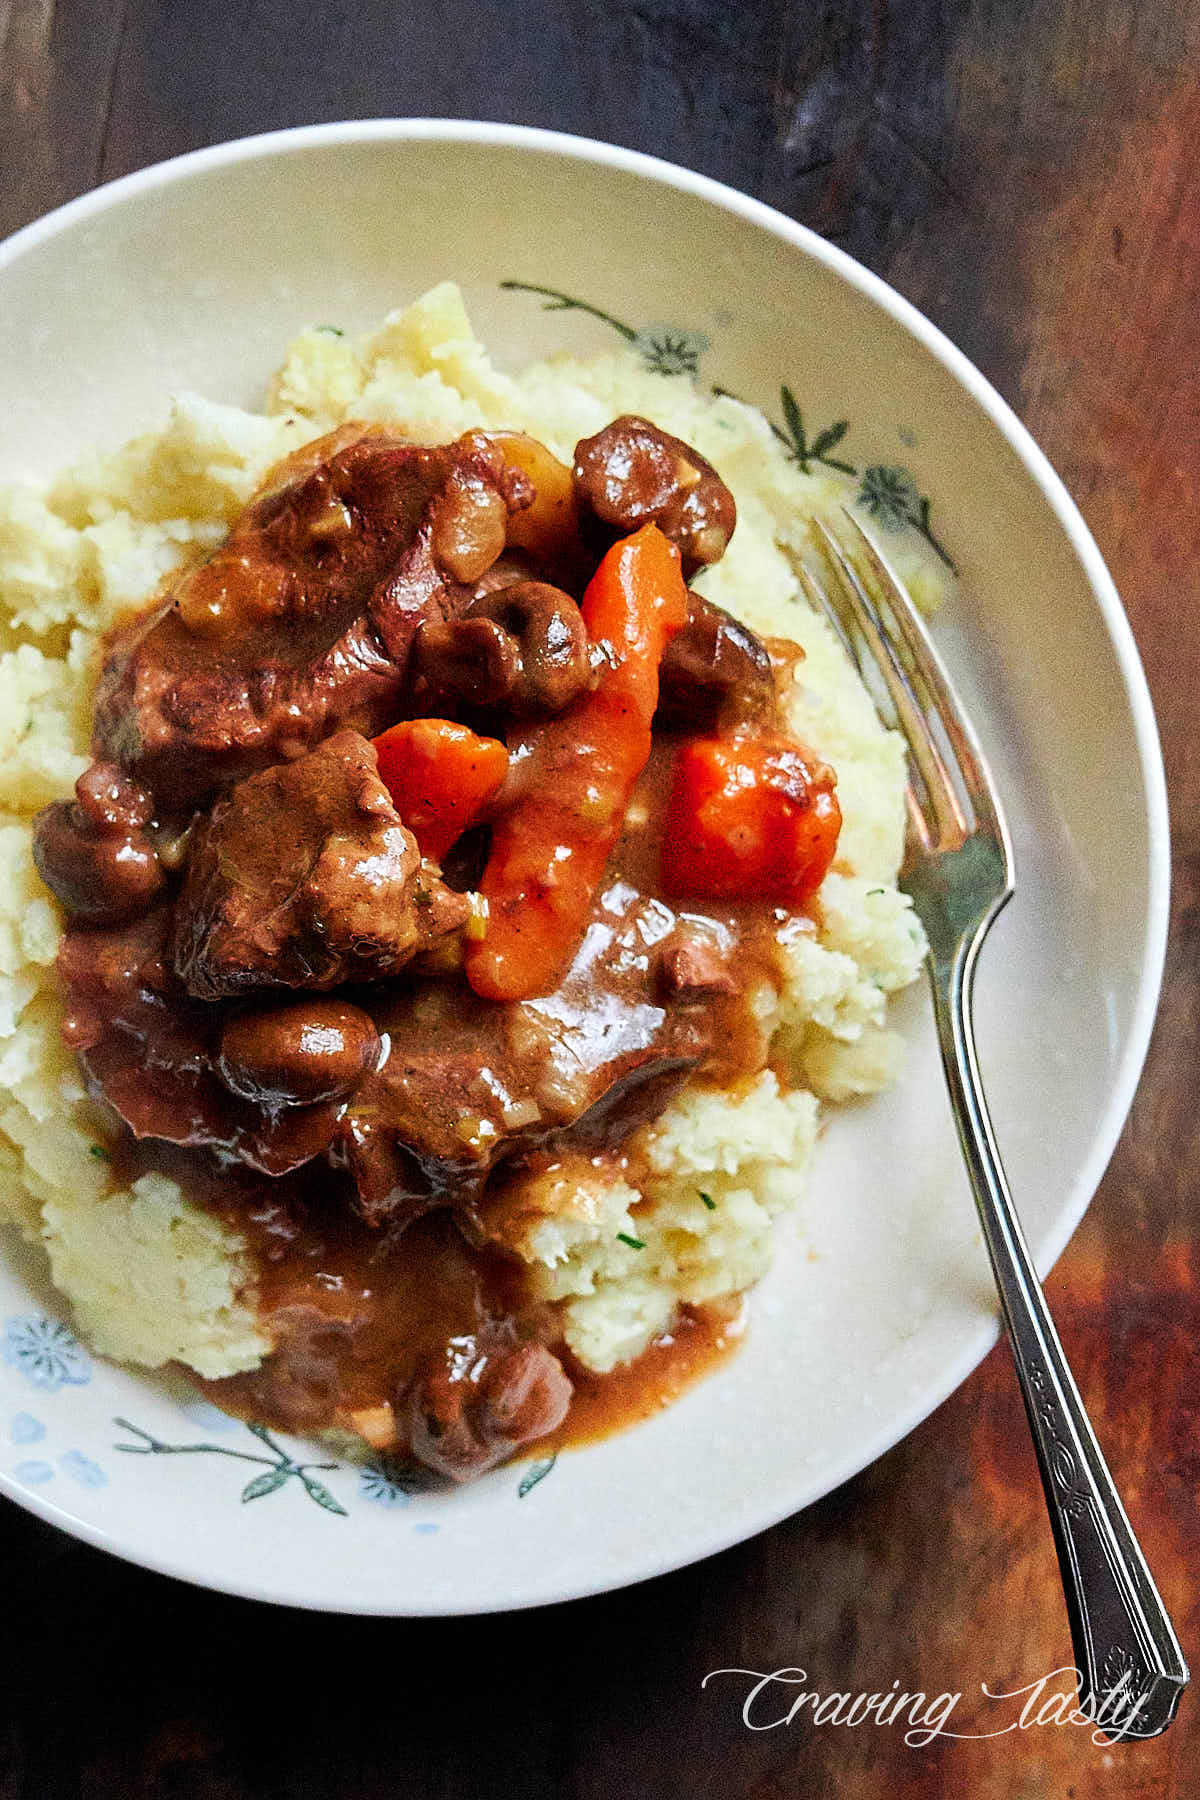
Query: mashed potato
{"type": "Point", "coordinates": [150, 1276]}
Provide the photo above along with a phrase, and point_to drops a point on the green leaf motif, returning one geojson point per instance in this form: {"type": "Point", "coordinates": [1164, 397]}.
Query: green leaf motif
{"type": "Point", "coordinates": [265, 1484]}
{"type": "Point", "coordinates": [263, 1436]}
{"type": "Point", "coordinates": [316, 1490]}
{"type": "Point", "coordinates": [536, 1472]}
{"type": "Point", "coordinates": [554, 300]}
{"type": "Point", "coordinates": [888, 491]}
{"type": "Point", "coordinates": [832, 435]}
{"type": "Point", "coordinates": [794, 438]}
{"type": "Point", "coordinates": [278, 1472]}
{"type": "Point", "coordinates": [794, 421]}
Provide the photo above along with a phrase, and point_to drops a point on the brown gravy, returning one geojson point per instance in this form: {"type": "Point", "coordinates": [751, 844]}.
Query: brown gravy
{"type": "Point", "coordinates": [354, 1316]}
{"type": "Point", "coordinates": [360, 1323]}
{"type": "Point", "coordinates": [353, 1310]}
{"type": "Point", "coordinates": [698, 1342]}
{"type": "Point", "coordinates": [373, 1256]}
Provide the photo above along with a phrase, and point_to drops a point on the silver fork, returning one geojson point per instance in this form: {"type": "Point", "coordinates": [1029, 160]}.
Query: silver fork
{"type": "Point", "coordinates": [959, 873]}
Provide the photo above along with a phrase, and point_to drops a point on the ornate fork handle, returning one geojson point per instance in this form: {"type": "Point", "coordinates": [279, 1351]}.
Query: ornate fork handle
{"type": "Point", "coordinates": [958, 874]}
{"type": "Point", "coordinates": [1130, 1666]}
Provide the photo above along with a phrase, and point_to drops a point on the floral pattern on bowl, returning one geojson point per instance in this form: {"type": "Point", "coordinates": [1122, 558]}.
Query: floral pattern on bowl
{"type": "Point", "coordinates": [888, 491]}
{"type": "Point", "coordinates": [384, 1481]}
{"type": "Point", "coordinates": [45, 1352]}
{"type": "Point", "coordinates": [50, 1357]}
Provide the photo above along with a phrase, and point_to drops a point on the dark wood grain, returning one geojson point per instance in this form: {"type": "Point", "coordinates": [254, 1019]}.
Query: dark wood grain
{"type": "Point", "coordinates": [1028, 175]}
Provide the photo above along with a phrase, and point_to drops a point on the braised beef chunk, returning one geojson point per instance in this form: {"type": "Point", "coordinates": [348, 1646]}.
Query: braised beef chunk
{"type": "Point", "coordinates": [714, 667]}
{"type": "Point", "coordinates": [425, 1128]}
{"type": "Point", "coordinates": [469, 1083]}
{"type": "Point", "coordinates": [484, 1396]}
{"type": "Point", "coordinates": [303, 619]}
{"type": "Point", "coordinates": [304, 877]}
{"type": "Point", "coordinates": [95, 853]}
{"type": "Point", "coordinates": [118, 974]}
{"type": "Point", "coordinates": [692, 966]}
{"type": "Point", "coordinates": [632, 474]}
{"type": "Point", "coordinates": [149, 1050]}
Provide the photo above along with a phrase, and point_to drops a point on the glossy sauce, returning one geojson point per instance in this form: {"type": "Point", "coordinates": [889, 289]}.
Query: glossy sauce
{"type": "Point", "coordinates": [354, 1313]}
{"type": "Point", "coordinates": [697, 1343]}
{"type": "Point", "coordinates": [354, 1310]}
{"type": "Point", "coordinates": [370, 1191]}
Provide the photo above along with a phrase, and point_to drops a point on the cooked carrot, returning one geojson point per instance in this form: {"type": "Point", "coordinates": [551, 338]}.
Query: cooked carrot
{"type": "Point", "coordinates": [549, 849]}
{"type": "Point", "coordinates": [749, 817]}
{"type": "Point", "coordinates": [441, 777]}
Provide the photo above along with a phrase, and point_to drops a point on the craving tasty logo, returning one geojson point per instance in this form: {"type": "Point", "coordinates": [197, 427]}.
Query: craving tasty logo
{"type": "Point", "coordinates": [778, 1697]}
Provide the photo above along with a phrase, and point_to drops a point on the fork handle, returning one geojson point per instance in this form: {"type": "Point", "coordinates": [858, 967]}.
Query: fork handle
{"type": "Point", "coordinates": [1129, 1664]}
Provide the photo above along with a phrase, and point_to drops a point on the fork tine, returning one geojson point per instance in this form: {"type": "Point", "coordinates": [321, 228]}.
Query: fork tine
{"type": "Point", "coordinates": [918, 825]}
{"type": "Point", "coordinates": [950, 821]}
{"type": "Point", "coordinates": [824, 603]}
{"type": "Point", "coordinates": [930, 673]}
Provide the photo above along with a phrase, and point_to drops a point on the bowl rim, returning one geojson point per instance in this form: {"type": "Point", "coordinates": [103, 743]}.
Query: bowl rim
{"type": "Point", "coordinates": [1127, 1073]}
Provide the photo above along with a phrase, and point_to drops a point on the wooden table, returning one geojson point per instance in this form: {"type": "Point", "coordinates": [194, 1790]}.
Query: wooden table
{"type": "Point", "coordinates": [1028, 175]}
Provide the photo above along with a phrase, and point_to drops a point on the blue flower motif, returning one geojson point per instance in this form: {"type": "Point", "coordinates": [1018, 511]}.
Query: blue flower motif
{"type": "Point", "coordinates": [47, 1354]}
{"type": "Point", "coordinates": [34, 1473]}
{"type": "Point", "coordinates": [385, 1482]}
{"type": "Point", "coordinates": [669, 349]}
{"type": "Point", "coordinates": [82, 1469]}
{"type": "Point", "coordinates": [25, 1429]}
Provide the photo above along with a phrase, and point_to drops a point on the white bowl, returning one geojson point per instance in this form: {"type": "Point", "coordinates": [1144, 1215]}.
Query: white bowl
{"type": "Point", "coordinates": [195, 274]}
